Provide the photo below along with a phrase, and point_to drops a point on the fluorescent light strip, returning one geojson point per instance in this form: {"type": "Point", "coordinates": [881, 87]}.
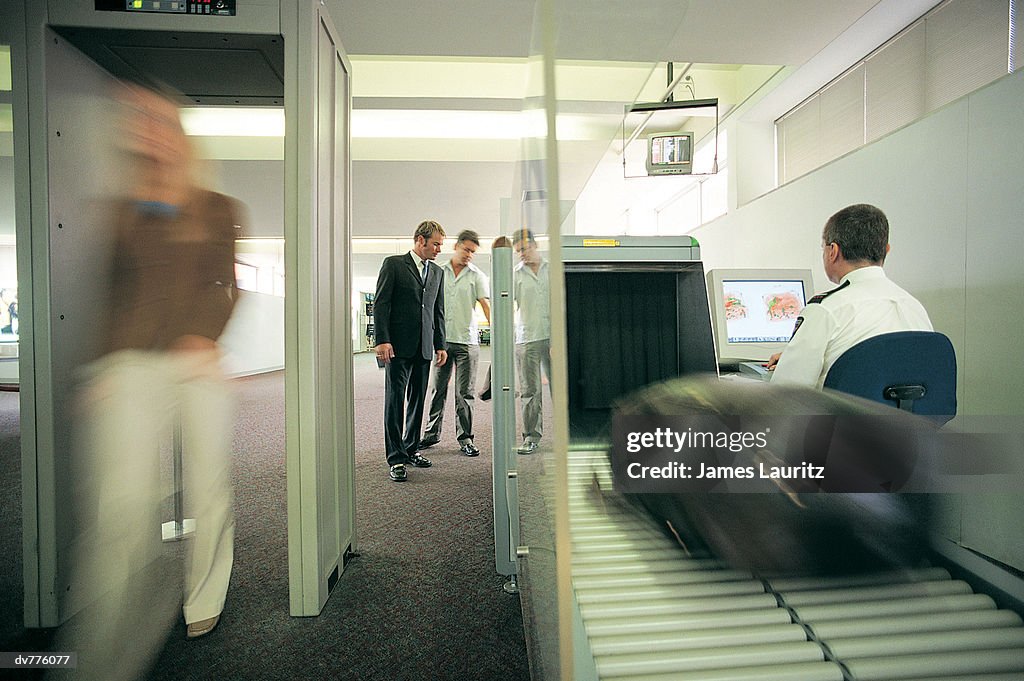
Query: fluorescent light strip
{"type": "Point", "coordinates": [427, 124]}
{"type": "Point", "coordinates": [233, 121]}
{"type": "Point", "coordinates": [391, 124]}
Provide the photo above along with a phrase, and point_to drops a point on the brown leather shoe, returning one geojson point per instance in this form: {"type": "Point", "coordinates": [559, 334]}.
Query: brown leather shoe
{"type": "Point", "coordinates": [202, 627]}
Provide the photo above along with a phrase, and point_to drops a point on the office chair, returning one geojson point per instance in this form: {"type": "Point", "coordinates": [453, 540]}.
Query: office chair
{"type": "Point", "coordinates": [912, 370]}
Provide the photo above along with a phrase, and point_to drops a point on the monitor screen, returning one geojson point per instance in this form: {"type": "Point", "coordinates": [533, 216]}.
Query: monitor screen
{"type": "Point", "coordinates": [754, 311]}
{"type": "Point", "coordinates": [669, 154]}
{"type": "Point", "coordinates": [761, 310]}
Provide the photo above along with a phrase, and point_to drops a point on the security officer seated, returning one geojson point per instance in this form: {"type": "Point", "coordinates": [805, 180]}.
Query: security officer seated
{"type": "Point", "coordinates": [865, 303]}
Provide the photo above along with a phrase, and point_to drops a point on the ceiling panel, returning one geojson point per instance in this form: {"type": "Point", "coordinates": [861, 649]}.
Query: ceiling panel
{"type": "Point", "coordinates": [609, 55]}
{"type": "Point", "coordinates": [784, 32]}
{"type": "Point", "coordinates": [472, 28]}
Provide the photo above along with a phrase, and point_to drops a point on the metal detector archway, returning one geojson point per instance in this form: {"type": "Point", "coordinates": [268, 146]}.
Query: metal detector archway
{"type": "Point", "coordinates": [265, 53]}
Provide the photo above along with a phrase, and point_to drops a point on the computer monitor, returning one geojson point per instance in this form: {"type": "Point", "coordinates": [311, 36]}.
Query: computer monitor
{"type": "Point", "coordinates": [670, 154]}
{"type": "Point", "coordinates": [754, 311]}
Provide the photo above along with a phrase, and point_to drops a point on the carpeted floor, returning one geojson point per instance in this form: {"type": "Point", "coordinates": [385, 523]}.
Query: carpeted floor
{"type": "Point", "coordinates": [421, 601]}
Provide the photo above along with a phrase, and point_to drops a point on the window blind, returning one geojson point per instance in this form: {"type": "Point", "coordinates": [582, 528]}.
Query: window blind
{"type": "Point", "coordinates": [801, 136]}
{"type": "Point", "coordinates": [842, 115]}
{"type": "Point", "coordinates": [955, 49]}
{"type": "Point", "coordinates": [894, 84]}
{"type": "Point", "coordinates": [967, 48]}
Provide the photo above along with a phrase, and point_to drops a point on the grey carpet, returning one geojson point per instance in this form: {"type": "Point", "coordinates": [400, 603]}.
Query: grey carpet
{"type": "Point", "coordinates": [421, 601]}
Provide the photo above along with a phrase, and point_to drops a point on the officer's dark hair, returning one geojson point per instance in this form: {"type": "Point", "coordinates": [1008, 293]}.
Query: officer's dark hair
{"type": "Point", "coordinates": [861, 231]}
{"type": "Point", "coordinates": [468, 235]}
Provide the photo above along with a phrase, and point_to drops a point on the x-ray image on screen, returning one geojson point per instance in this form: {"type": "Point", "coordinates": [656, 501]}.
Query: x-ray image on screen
{"type": "Point", "coordinates": [761, 311]}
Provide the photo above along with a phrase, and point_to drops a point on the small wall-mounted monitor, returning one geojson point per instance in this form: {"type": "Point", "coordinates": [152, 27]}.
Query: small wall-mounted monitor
{"type": "Point", "coordinates": [754, 311]}
{"type": "Point", "coordinates": [670, 153]}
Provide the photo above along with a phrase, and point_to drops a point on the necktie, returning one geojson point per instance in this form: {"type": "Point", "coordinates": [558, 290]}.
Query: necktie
{"type": "Point", "coordinates": [423, 274]}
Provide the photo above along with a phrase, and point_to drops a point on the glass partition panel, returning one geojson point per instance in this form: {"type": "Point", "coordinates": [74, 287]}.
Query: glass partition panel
{"type": "Point", "coordinates": [578, 88]}
{"type": "Point", "coordinates": [534, 461]}
{"type": "Point", "coordinates": [582, 76]}
{"type": "Point", "coordinates": [8, 258]}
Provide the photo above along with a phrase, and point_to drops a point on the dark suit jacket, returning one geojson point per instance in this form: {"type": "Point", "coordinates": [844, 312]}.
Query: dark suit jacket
{"type": "Point", "coordinates": [408, 313]}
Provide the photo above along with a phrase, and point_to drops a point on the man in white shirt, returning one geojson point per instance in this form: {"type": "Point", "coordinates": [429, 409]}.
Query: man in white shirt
{"type": "Point", "coordinates": [866, 303]}
{"type": "Point", "coordinates": [531, 288]}
{"type": "Point", "coordinates": [465, 285]}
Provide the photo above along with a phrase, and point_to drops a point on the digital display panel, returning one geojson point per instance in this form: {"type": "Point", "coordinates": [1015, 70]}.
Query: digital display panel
{"type": "Point", "coordinates": [671, 150]}
{"type": "Point", "coordinates": [670, 154]}
{"type": "Point", "coordinates": [761, 311]}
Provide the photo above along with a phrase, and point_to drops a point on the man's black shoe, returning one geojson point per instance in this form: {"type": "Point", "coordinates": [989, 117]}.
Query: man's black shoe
{"type": "Point", "coordinates": [469, 449]}
{"type": "Point", "coordinates": [428, 442]}
{"type": "Point", "coordinates": [398, 473]}
{"type": "Point", "coordinates": [420, 461]}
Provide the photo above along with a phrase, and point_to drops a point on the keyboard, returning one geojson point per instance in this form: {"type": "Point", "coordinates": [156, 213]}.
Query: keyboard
{"type": "Point", "coordinates": [755, 369]}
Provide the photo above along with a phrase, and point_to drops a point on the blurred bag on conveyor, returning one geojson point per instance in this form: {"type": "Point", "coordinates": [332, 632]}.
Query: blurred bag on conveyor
{"type": "Point", "coordinates": [822, 483]}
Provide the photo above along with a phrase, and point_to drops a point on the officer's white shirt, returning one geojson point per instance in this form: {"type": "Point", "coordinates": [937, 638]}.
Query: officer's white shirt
{"type": "Point", "coordinates": [865, 304]}
{"type": "Point", "coordinates": [461, 292]}
{"type": "Point", "coordinates": [532, 292]}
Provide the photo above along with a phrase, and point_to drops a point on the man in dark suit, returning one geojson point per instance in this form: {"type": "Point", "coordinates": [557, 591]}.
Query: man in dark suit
{"type": "Point", "coordinates": [408, 317]}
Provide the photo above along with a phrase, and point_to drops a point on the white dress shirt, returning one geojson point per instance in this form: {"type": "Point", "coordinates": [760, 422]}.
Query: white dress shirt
{"type": "Point", "coordinates": [865, 304]}
{"type": "Point", "coordinates": [419, 262]}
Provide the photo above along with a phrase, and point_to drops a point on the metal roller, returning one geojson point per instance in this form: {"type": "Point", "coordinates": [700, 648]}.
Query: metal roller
{"type": "Point", "coordinates": [681, 622]}
{"type": "Point", "coordinates": [790, 584]}
{"type": "Point", "coordinates": [619, 666]}
{"type": "Point", "coordinates": [602, 525]}
{"type": "Point", "coordinates": [696, 638]}
{"type": "Point", "coordinates": [912, 644]}
{"type": "Point", "coordinates": [667, 552]}
{"type": "Point", "coordinates": [653, 607]}
{"type": "Point", "coordinates": [801, 671]}
{"type": "Point", "coordinates": [653, 543]}
{"type": "Point", "coordinates": [665, 592]}
{"type": "Point", "coordinates": [876, 593]}
{"type": "Point", "coordinates": [971, 677]}
{"type": "Point", "coordinates": [937, 604]}
{"type": "Point", "coordinates": [934, 664]}
{"type": "Point", "coordinates": [595, 565]}
{"type": "Point", "coordinates": [586, 536]}
{"type": "Point", "coordinates": [662, 578]}
{"type": "Point", "coordinates": [969, 620]}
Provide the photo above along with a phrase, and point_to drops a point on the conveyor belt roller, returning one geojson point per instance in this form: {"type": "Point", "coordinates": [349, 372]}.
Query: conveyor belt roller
{"type": "Point", "coordinates": [652, 613]}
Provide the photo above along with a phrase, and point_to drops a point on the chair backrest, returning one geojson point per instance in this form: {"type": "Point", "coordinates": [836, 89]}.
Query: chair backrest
{"type": "Point", "coordinates": [915, 370]}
